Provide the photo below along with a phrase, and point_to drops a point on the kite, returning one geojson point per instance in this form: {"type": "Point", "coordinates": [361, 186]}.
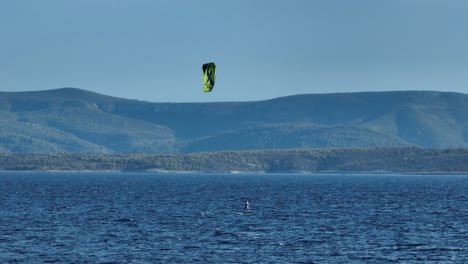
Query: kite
{"type": "Point", "coordinates": [209, 76]}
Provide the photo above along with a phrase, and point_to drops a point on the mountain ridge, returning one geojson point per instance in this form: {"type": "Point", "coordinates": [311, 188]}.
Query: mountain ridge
{"type": "Point", "coordinates": [73, 120]}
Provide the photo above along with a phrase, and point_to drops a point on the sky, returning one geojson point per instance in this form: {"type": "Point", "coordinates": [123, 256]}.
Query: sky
{"type": "Point", "coordinates": [152, 50]}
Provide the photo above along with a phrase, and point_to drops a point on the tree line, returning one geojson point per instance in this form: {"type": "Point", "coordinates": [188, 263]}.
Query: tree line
{"type": "Point", "coordinates": [403, 160]}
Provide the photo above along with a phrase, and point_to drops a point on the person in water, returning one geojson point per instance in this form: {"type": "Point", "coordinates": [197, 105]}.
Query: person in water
{"type": "Point", "coordinates": [246, 206]}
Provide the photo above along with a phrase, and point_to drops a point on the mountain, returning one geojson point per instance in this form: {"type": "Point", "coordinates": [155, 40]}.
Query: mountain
{"type": "Point", "coordinates": [71, 120]}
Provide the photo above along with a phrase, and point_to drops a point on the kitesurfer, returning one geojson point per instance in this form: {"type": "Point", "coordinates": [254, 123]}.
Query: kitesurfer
{"type": "Point", "coordinates": [246, 206]}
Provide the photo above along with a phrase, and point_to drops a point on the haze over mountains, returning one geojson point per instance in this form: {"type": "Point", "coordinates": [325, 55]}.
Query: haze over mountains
{"type": "Point", "coordinates": [78, 121]}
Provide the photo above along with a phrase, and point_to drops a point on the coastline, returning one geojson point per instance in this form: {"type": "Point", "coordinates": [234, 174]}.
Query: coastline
{"type": "Point", "coordinates": [152, 171]}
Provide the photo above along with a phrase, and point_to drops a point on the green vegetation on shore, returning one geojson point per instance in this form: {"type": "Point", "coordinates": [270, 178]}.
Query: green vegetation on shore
{"type": "Point", "coordinates": [400, 160]}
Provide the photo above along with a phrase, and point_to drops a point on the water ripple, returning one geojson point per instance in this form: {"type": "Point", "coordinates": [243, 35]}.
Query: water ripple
{"type": "Point", "coordinates": [157, 218]}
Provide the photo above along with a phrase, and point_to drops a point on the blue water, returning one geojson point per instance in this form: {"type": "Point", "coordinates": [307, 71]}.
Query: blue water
{"type": "Point", "coordinates": [198, 218]}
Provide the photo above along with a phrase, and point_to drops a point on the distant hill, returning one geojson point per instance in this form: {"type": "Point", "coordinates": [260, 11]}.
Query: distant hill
{"type": "Point", "coordinates": [71, 120]}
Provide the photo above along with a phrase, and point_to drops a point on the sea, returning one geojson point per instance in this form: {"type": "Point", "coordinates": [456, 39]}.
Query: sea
{"type": "Point", "coordinates": [116, 217]}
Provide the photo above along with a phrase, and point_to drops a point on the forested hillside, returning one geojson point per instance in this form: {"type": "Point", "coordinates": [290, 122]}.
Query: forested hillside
{"type": "Point", "coordinates": [72, 120]}
{"type": "Point", "coordinates": [333, 160]}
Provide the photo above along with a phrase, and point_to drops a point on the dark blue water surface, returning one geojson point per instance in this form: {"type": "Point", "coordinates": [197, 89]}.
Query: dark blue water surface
{"type": "Point", "coordinates": [198, 218]}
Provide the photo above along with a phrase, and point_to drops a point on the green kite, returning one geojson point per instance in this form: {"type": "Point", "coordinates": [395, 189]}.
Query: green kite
{"type": "Point", "coordinates": [209, 76]}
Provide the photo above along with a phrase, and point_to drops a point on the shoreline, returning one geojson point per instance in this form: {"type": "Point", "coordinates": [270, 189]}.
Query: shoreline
{"type": "Point", "coordinates": [415, 173]}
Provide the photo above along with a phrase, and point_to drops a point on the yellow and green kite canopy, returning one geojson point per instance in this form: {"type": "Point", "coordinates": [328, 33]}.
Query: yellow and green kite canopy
{"type": "Point", "coordinates": [209, 76]}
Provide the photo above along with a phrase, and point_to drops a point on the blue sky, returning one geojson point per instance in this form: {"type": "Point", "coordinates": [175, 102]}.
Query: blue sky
{"type": "Point", "coordinates": [153, 49]}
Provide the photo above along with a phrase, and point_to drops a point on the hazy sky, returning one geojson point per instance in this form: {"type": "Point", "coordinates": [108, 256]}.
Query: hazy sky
{"type": "Point", "coordinates": [153, 49]}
